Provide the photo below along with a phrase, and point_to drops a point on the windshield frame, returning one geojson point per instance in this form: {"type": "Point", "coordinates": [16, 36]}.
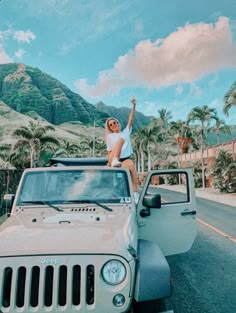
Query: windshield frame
{"type": "Point", "coordinates": [121, 173]}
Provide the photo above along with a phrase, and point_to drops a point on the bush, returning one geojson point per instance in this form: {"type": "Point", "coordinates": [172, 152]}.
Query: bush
{"type": "Point", "coordinates": [9, 180]}
{"type": "Point", "coordinates": [197, 173]}
{"type": "Point", "coordinates": [224, 172]}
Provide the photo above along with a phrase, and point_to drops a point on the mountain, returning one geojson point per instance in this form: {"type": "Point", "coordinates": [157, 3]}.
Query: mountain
{"type": "Point", "coordinates": [10, 119]}
{"type": "Point", "coordinates": [212, 140]}
{"type": "Point", "coordinates": [26, 93]}
{"type": "Point", "coordinates": [26, 89]}
{"type": "Point", "coordinates": [122, 114]}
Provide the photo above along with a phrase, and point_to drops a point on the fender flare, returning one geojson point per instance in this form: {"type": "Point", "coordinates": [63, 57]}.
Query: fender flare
{"type": "Point", "coordinates": [152, 273]}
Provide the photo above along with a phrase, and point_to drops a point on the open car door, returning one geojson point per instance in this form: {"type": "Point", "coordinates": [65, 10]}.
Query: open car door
{"type": "Point", "coordinates": [172, 226]}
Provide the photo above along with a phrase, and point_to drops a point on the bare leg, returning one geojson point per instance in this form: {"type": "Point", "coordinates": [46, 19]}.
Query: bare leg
{"type": "Point", "coordinates": [130, 165]}
{"type": "Point", "coordinates": [115, 153]}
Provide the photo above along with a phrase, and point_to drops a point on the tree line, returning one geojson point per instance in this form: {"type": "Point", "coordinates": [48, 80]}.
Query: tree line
{"type": "Point", "coordinates": [158, 145]}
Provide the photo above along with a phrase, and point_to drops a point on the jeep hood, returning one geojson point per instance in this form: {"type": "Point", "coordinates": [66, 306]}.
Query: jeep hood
{"type": "Point", "coordinates": [61, 234]}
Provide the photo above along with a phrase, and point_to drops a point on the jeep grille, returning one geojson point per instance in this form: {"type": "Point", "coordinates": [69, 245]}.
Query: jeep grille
{"type": "Point", "coordinates": [59, 283]}
{"type": "Point", "coordinates": [48, 287]}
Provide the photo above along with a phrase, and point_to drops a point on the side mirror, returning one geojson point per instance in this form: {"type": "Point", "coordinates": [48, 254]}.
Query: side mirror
{"type": "Point", "coordinates": [7, 203]}
{"type": "Point", "coordinates": [152, 201]}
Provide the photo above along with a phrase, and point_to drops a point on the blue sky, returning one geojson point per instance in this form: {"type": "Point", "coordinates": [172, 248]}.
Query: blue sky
{"type": "Point", "coordinates": [172, 54]}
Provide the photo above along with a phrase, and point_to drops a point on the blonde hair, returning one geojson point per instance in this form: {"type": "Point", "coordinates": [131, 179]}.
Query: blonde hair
{"type": "Point", "coordinates": [107, 128]}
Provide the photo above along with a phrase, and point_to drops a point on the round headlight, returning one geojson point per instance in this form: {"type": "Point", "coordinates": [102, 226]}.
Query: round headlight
{"type": "Point", "coordinates": [113, 272]}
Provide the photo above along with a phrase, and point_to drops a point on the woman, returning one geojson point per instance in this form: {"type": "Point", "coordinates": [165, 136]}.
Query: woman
{"type": "Point", "coordinates": [119, 146]}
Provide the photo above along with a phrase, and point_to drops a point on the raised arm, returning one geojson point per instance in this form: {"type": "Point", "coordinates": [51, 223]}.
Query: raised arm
{"type": "Point", "coordinates": [131, 115]}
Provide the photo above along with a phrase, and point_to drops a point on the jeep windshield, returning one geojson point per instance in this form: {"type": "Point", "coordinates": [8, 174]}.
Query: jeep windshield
{"type": "Point", "coordinates": [74, 186]}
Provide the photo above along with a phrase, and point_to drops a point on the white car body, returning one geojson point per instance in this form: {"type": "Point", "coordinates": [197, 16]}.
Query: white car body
{"type": "Point", "coordinates": [53, 253]}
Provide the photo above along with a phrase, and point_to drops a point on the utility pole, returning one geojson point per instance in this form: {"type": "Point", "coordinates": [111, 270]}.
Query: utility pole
{"type": "Point", "coordinates": [94, 126]}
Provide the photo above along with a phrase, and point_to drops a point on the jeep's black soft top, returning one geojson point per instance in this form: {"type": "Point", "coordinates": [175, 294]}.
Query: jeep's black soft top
{"type": "Point", "coordinates": [78, 161]}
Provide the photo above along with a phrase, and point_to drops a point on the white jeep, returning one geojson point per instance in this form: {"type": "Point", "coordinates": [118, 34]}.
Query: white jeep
{"type": "Point", "coordinates": [76, 241]}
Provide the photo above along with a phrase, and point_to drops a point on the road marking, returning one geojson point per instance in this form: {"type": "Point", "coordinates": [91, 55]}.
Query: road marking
{"type": "Point", "coordinates": [217, 230]}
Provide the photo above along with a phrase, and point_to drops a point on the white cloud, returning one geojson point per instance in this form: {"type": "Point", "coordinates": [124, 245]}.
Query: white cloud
{"type": "Point", "coordinates": [68, 46]}
{"type": "Point", "coordinates": [19, 36]}
{"type": "Point", "coordinates": [179, 108]}
{"type": "Point", "coordinates": [212, 82]}
{"type": "Point", "coordinates": [35, 8]}
{"type": "Point", "coordinates": [4, 58]}
{"type": "Point", "coordinates": [139, 27]}
{"type": "Point", "coordinates": [218, 104]}
{"type": "Point", "coordinates": [19, 53]}
{"type": "Point", "coordinates": [24, 36]}
{"type": "Point", "coordinates": [5, 34]}
{"type": "Point", "coordinates": [107, 82]}
{"type": "Point", "coordinates": [179, 89]}
{"type": "Point", "coordinates": [184, 56]}
{"type": "Point", "coordinates": [195, 90]}
{"type": "Point", "coordinates": [150, 108]}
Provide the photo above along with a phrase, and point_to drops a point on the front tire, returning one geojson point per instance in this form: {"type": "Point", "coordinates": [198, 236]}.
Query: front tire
{"type": "Point", "coordinates": [154, 306]}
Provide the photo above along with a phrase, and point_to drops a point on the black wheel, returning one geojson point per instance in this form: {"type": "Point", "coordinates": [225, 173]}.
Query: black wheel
{"type": "Point", "coordinates": [154, 306]}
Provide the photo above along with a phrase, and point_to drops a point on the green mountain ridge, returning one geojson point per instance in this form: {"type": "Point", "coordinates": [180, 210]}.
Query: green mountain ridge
{"type": "Point", "coordinates": [27, 90]}
{"type": "Point", "coordinates": [10, 119]}
{"type": "Point", "coordinates": [211, 137]}
{"type": "Point", "coordinates": [24, 89]}
{"type": "Point", "coordinates": [122, 114]}
{"type": "Point", "coordinates": [26, 93]}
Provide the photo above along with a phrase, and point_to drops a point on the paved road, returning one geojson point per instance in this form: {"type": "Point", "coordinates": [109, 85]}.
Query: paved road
{"type": "Point", "coordinates": [205, 277]}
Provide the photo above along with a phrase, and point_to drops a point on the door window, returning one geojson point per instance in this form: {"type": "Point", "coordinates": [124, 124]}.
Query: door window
{"type": "Point", "coordinates": [173, 187]}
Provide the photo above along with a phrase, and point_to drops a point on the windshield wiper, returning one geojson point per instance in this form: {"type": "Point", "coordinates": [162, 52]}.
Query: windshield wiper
{"type": "Point", "coordinates": [45, 203]}
{"type": "Point", "coordinates": [91, 201]}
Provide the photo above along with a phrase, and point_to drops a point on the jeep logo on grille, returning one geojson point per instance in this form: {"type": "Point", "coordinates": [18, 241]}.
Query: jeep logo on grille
{"type": "Point", "coordinates": [53, 261]}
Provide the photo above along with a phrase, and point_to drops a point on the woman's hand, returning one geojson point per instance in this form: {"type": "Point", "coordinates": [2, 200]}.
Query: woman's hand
{"type": "Point", "coordinates": [131, 115]}
{"type": "Point", "coordinates": [133, 101]}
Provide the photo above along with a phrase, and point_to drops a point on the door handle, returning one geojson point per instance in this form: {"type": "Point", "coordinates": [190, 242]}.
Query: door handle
{"type": "Point", "coordinates": [188, 213]}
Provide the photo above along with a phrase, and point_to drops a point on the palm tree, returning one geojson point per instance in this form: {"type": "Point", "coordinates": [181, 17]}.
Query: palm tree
{"type": "Point", "coordinates": [67, 149]}
{"type": "Point", "coordinates": [138, 151]}
{"type": "Point", "coordinates": [183, 133]}
{"type": "Point", "coordinates": [5, 152]}
{"type": "Point", "coordinates": [14, 158]}
{"type": "Point", "coordinates": [197, 173]}
{"type": "Point", "coordinates": [88, 144]}
{"type": "Point", "coordinates": [100, 148]}
{"type": "Point", "coordinates": [224, 172]}
{"type": "Point", "coordinates": [230, 99]}
{"type": "Point", "coordinates": [220, 127]}
{"type": "Point", "coordinates": [150, 136]}
{"type": "Point", "coordinates": [164, 159]}
{"type": "Point", "coordinates": [204, 115]}
{"type": "Point", "coordinates": [163, 120]}
{"type": "Point", "coordinates": [164, 117]}
{"type": "Point", "coordinates": [33, 137]}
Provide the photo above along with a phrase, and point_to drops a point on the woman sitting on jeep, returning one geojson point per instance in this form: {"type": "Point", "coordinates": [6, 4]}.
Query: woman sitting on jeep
{"type": "Point", "coordinates": [119, 146]}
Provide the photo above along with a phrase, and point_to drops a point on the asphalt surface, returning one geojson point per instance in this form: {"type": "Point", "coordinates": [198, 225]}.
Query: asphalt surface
{"type": "Point", "coordinates": [204, 278]}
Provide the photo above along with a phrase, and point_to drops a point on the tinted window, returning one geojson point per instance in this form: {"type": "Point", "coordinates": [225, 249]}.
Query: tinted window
{"type": "Point", "coordinates": [61, 186]}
